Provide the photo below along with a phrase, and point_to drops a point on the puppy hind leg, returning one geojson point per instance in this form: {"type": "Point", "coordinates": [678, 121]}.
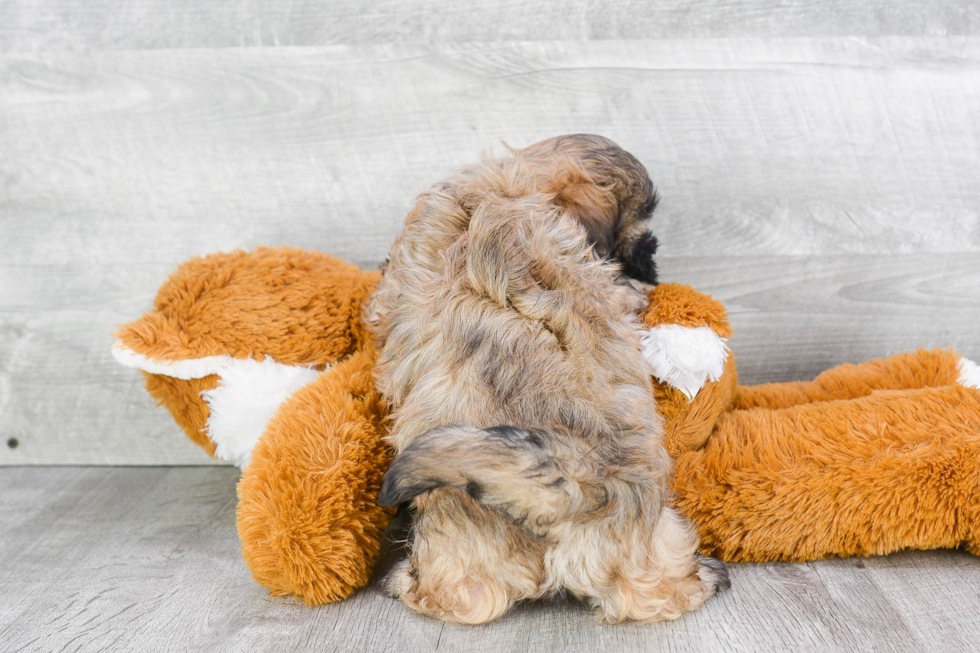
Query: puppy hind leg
{"type": "Point", "coordinates": [473, 600]}
{"type": "Point", "coordinates": [467, 564]}
{"type": "Point", "coordinates": [399, 579]}
{"type": "Point", "coordinates": [660, 577]}
{"type": "Point", "coordinates": [469, 600]}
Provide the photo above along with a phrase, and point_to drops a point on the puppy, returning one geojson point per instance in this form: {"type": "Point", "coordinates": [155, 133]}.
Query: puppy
{"type": "Point", "coordinates": [523, 420]}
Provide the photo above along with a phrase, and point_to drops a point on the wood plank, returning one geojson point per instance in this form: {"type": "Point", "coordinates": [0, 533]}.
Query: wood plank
{"type": "Point", "coordinates": [759, 146]}
{"type": "Point", "coordinates": [67, 402]}
{"type": "Point", "coordinates": [123, 559]}
{"type": "Point", "coordinates": [794, 317]}
{"type": "Point", "coordinates": [858, 158]}
{"type": "Point", "coordinates": [101, 24]}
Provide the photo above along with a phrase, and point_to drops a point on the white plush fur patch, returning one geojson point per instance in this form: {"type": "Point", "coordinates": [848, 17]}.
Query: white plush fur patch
{"type": "Point", "coordinates": [248, 394]}
{"type": "Point", "coordinates": [189, 368]}
{"type": "Point", "coordinates": [685, 357]}
{"type": "Point", "coordinates": [969, 374]}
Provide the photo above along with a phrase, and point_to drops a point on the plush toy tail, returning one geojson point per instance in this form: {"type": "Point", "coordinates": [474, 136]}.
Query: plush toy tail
{"type": "Point", "coordinates": [533, 476]}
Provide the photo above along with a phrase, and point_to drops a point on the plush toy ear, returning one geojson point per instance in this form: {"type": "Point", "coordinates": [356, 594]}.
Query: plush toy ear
{"type": "Point", "coordinates": [233, 334]}
{"type": "Point", "coordinates": [174, 376]}
{"type": "Point", "coordinates": [686, 337]}
{"type": "Point", "coordinates": [222, 401]}
{"type": "Point", "coordinates": [298, 307]}
{"type": "Point", "coordinates": [245, 395]}
{"type": "Point", "coordinates": [685, 358]}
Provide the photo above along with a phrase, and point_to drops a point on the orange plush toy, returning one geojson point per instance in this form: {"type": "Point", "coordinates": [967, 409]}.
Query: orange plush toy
{"type": "Point", "coordinates": [263, 360]}
{"type": "Point", "coordinates": [866, 459]}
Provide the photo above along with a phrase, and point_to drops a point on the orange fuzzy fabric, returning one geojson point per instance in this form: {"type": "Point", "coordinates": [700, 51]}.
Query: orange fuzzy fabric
{"type": "Point", "coordinates": [889, 471]}
{"type": "Point", "coordinates": [865, 459]}
{"type": "Point", "coordinates": [911, 371]}
{"type": "Point", "coordinates": [689, 424]}
{"type": "Point", "coordinates": [307, 515]}
{"type": "Point", "coordinates": [296, 306]}
{"type": "Point", "coordinates": [299, 307]}
{"type": "Point", "coordinates": [307, 512]}
{"type": "Point", "coordinates": [183, 400]}
{"type": "Point", "coordinates": [675, 303]}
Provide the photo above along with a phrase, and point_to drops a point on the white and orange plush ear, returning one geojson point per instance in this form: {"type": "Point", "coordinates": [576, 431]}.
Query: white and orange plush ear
{"type": "Point", "coordinates": [232, 335]}
{"type": "Point", "coordinates": [248, 394]}
{"type": "Point", "coordinates": [685, 337]}
{"type": "Point", "coordinates": [684, 357]}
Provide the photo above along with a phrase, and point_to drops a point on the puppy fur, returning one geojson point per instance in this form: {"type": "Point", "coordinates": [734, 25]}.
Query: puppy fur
{"type": "Point", "coordinates": [523, 421]}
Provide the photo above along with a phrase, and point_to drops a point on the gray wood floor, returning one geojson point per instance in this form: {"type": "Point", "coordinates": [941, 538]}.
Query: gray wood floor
{"type": "Point", "coordinates": [146, 559]}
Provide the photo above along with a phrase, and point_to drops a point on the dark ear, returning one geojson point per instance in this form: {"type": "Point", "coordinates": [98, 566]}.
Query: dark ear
{"type": "Point", "coordinates": [592, 206]}
{"type": "Point", "coordinates": [637, 258]}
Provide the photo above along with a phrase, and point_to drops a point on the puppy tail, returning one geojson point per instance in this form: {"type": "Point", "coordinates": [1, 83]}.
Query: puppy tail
{"type": "Point", "coordinates": [527, 474]}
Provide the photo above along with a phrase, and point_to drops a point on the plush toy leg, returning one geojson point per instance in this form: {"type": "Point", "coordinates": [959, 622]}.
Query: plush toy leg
{"type": "Point", "coordinates": [688, 423]}
{"type": "Point", "coordinates": [921, 369]}
{"type": "Point", "coordinates": [183, 400]}
{"type": "Point", "coordinates": [892, 470]}
{"type": "Point", "coordinates": [688, 419]}
{"type": "Point", "coordinates": [307, 515]}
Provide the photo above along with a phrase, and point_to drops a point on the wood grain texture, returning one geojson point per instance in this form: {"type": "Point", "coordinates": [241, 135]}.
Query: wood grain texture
{"type": "Point", "coordinates": [794, 317]}
{"type": "Point", "coordinates": [824, 188]}
{"type": "Point", "coordinates": [759, 146]}
{"type": "Point", "coordinates": [136, 24]}
{"type": "Point", "coordinates": [117, 559]}
{"type": "Point", "coordinates": [67, 402]}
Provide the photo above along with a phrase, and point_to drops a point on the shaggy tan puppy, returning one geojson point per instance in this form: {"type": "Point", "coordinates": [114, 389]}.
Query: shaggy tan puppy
{"type": "Point", "coordinates": [522, 416]}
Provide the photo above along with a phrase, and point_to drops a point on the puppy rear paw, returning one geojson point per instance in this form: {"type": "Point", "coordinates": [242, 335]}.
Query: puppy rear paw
{"type": "Point", "coordinates": [398, 580]}
{"type": "Point", "coordinates": [713, 572]}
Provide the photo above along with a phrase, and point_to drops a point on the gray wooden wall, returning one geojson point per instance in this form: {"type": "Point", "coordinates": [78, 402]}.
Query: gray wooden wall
{"type": "Point", "coordinates": [819, 164]}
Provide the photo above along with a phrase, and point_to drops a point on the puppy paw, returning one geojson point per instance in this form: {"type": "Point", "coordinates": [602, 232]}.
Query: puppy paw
{"type": "Point", "coordinates": [399, 579]}
{"type": "Point", "coordinates": [714, 573]}
{"type": "Point", "coordinates": [969, 374]}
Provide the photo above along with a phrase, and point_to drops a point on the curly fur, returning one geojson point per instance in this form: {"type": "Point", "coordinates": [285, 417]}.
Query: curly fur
{"type": "Point", "coordinates": [522, 414]}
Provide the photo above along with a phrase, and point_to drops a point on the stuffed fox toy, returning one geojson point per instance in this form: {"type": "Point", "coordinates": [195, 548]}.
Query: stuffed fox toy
{"type": "Point", "coordinates": [263, 360]}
